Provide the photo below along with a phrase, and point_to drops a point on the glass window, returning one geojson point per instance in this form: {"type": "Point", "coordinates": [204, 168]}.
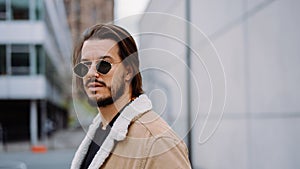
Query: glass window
{"type": "Point", "coordinates": [20, 9]}
{"type": "Point", "coordinates": [2, 59]}
{"type": "Point", "coordinates": [2, 10]}
{"type": "Point", "coordinates": [20, 60]}
{"type": "Point", "coordinates": [52, 74]}
{"type": "Point", "coordinates": [40, 59]}
{"type": "Point", "coordinates": [39, 9]}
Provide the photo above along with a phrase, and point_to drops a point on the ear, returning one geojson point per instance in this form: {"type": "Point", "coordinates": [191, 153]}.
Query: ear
{"type": "Point", "coordinates": [129, 73]}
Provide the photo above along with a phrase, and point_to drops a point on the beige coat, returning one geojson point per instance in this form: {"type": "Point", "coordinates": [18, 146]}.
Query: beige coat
{"type": "Point", "coordinates": [139, 139]}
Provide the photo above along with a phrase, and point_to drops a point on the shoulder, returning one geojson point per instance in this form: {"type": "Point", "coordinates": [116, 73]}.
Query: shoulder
{"type": "Point", "coordinates": [152, 140]}
{"type": "Point", "coordinates": [166, 149]}
{"type": "Point", "coordinates": [160, 135]}
{"type": "Point", "coordinates": [150, 124]}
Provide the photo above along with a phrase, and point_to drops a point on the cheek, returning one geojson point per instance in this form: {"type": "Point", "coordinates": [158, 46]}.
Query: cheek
{"type": "Point", "coordinates": [119, 75]}
{"type": "Point", "coordinates": [84, 80]}
{"type": "Point", "coordinates": [118, 78]}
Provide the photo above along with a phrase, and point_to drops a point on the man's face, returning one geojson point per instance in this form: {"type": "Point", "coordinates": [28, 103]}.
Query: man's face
{"type": "Point", "coordinates": [103, 88]}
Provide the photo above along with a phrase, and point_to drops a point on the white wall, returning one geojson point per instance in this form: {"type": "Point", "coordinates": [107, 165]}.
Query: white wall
{"type": "Point", "coordinates": [28, 87]}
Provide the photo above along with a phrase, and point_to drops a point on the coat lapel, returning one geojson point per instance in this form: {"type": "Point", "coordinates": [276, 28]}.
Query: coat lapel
{"type": "Point", "coordinates": [118, 132]}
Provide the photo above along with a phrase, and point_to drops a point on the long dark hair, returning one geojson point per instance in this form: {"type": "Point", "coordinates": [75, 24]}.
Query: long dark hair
{"type": "Point", "coordinates": [127, 51]}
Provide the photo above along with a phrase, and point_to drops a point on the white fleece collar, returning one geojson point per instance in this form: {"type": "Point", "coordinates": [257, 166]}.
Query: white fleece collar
{"type": "Point", "coordinates": [118, 132]}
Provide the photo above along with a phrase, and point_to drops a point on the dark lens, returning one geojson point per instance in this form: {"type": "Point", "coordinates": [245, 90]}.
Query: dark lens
{"type": "Point", "coordinates": [103, 67]}
{"type": "Point", "coordinates": [81, 70]}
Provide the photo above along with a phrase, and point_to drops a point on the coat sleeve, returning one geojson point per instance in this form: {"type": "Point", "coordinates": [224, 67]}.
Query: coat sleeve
{"type": "Point", "coordinates": [168, 153]}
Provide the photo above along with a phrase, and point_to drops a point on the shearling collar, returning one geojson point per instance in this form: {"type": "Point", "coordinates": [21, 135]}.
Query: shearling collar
{"type": "Point", "coordinates": [118, 132]}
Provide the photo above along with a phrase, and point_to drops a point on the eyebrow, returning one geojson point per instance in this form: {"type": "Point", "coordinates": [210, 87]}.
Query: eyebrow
{"type": "Point", "coordinates": [101, 57]}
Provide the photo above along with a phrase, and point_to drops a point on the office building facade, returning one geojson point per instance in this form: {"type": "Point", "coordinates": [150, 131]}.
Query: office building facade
{"type": "Point", "coordinates": [35, 68]}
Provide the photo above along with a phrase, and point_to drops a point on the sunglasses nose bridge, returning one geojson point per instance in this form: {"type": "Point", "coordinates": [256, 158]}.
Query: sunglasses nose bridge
{"type": "Point", "coordinates": [92, 69]}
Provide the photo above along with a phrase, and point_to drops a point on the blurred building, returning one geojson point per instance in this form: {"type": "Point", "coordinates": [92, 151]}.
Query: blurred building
{"type": "Point", "coordinates": [35, 71]}
{"type": "Point", "coordinates": [257, 42]}
{"type": "Point", "coordinates": [85, 13]}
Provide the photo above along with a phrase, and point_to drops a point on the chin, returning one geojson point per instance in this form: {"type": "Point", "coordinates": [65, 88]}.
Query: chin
{"type": "Point", "coordinates": [93, 99]}
{"type": "Point", "coordinates": [95, 94]}
{"type": "Point", "coordinates": [96, 97]}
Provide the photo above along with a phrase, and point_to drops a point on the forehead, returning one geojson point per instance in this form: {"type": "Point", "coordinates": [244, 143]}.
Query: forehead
{"type": "Point", "coordinates": [96, 49]}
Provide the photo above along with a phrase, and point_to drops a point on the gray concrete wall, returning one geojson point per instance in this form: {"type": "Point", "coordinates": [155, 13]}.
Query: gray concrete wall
{"type": "Point", "coordinates": [257, 42]}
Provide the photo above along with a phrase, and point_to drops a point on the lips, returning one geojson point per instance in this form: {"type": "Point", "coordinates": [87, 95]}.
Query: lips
{"type": "Point", "coordinates": [94, 85]}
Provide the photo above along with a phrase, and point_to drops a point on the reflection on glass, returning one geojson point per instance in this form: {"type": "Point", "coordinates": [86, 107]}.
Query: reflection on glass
{"type": "Point", "coordinates": [2, 60]}
{"type": "Point", "coordinates": [20, 9]}
{"type": "Point", "coordinates": [40, 59]}
{"type": "Point", "coordinates": [20, 60]}
{"type": "Point", "coordinates": [39, 9]}
{"type": "Point", "coordinates": [2, 10]}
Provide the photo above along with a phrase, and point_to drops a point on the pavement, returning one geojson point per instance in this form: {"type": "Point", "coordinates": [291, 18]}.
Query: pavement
{"type": "Point", "coordinates": [60, 151]}
{"type": "Point", "coordinates": [59, 159]}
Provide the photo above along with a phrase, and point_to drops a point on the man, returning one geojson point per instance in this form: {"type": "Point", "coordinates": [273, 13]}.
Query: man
{"type": "Point", "coordinates": [126, 133]}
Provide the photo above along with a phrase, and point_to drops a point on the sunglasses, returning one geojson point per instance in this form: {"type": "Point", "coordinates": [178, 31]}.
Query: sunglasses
{"type": "Point", "coordinates": [82, 68]}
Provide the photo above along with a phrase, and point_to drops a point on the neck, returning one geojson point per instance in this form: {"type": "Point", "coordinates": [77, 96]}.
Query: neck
{"type": "Point", "coordinates": [108, 112]}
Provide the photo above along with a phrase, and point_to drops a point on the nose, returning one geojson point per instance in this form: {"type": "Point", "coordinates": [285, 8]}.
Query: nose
{"type": "Point", "coordinates": [92, 71]}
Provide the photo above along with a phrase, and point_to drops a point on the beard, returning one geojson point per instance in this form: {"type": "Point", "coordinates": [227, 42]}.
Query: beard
{"type": "Point", "coordinates": [115, 93]}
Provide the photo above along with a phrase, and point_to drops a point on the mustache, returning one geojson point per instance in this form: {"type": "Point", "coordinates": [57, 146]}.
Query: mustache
{"type": "Point", "coordinates": [93, 79]}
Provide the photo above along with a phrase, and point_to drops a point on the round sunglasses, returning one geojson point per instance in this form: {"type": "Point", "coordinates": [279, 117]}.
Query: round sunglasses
{"type": "Point", "coordinates": [102, 67]}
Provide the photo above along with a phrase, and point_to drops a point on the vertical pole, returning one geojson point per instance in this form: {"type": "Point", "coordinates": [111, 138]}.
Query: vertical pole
{"type": "Point", "coordinates": [32, 9]}
{"type": "Point", "coordinates": [8, 59]}
{"type": "Point", "coordinates": [8, 10]}
{"type": "Point", "coordinates": [32, 59]}
{"type": "Point", "coordinates": [188, 75]}
{"type": "Point", "coordinates": [43, 119]}
{"type": "Point", "coordinates": [33, 123]}
{"type": "Point", "coordinates": [247, 86]}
